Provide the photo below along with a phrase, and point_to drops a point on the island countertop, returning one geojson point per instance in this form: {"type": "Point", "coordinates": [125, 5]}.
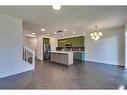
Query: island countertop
{"type": "Point", "coordinates": [66, 52]}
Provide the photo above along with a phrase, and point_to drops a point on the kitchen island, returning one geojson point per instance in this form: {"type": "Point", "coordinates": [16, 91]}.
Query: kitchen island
{"type": "Point", "coordinates": [62, 57]}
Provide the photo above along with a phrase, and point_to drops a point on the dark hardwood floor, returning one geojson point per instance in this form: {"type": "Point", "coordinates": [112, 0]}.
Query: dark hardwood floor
{"type": "Point", "coordinates": [87, 75]}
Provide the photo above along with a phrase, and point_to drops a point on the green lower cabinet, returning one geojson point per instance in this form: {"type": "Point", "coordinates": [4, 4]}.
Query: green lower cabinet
{"type": "Point", "coordinates": [78, 56]}
{"type": "Point", "coordinates": [75, 55]}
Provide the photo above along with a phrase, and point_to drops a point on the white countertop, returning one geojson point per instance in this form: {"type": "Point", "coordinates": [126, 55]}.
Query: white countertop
{"type": "Point", "coordinates": [78, 51]}
{"type": "Point", "coordinates": [65, 52]}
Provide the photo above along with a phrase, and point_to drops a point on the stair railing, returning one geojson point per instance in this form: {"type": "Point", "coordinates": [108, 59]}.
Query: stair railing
{"type": "Point", "coordinates": [29, 55]}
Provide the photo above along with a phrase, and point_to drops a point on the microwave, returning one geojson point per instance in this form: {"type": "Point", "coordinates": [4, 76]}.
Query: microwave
{"type": "Point", "coordinates": [68, 45]}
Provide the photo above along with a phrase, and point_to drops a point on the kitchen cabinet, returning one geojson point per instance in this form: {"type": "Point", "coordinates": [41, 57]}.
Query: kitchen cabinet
{"type": "Point", "coordinates": [75, 41]}
{"type": "Point", "coordinates": [62, 57]}
{"type": "Point", "coordinates": [79, 42]}
{"type": "Point", "coordinates": [46, 40]}
{"type": "Point", "coordinates": [79, 55]}
{"type": "Point", "coordinates": [61, 43]}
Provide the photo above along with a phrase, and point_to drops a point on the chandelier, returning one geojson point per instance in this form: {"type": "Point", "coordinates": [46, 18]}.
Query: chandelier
{"type": "Point", "coordinates": [96, 34]}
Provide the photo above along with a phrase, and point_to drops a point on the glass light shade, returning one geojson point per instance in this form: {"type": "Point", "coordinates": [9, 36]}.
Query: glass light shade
{"type": "Point", "coordinates": [95, 33]}
{"type": "Point", "coordinates": [91, 34]}
{"type": "Point", "coordinates": [97, 37]}
{"type": "Point", "coordinates": [93, 37]}
{"type": "Point", "coordinates": [100, 34]}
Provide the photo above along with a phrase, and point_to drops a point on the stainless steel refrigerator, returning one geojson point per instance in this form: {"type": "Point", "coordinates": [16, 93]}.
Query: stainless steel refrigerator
{"type": "Point", "coordinates": [46, 53]}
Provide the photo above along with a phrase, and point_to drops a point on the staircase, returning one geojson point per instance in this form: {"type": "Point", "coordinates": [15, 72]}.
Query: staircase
{"type": "Point", "coordinates": [29, 56]}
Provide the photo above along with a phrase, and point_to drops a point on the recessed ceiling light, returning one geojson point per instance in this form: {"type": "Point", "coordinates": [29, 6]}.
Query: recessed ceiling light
{"type": "Point", "coordinates": [33, 36]}
{"type": "Point", "coordinates": [48, 34]}
{"type": "Point", "coordinates": [73, 32]}
{"type": "Point", "coordinates": [42, 29]}
{"type": "Point", "coordinates": [63, 34]}
{"type": "Point", "coordinates": [54, 32]}
{"type": "Point", "coordinates": [33, 33]}
{"type": "Point", "coordinates": [65, 30]}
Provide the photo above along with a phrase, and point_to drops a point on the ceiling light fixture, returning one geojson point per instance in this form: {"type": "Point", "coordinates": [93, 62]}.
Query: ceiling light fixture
{"type": "Point", "coordinates": [48, 34]}
{"type": "Point", "coordinates": [56, 7]}
{"type": "Point", "coordinates": [54, 32]}
{"type": "Point", "coordinates": [42, 29]}
{"type": "Point", "coordinates": [65, 30]}
{"type": "Point", "coordinates": [63, 34]}
{"type": "Point", "coordinates": [73, 32]}
{"type": "Point", "coordinates": [33, 33]}
{"type": "Point", "coordinates": [56, 4]}
{"type": "Point", "coordinates": [32, 36]}
{"type": "Point", "coordinates": [96, 35]}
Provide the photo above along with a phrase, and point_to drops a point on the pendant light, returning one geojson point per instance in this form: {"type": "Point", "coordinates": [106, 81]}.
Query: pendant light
{"type": "Point", "coordinates": [96, 34]}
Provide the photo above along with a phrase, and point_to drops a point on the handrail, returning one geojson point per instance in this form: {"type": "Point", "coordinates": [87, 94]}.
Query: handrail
{"type": "Point", "coordinates": [29, 55]}
{"type": "Point", "coordinates": [28, 49]}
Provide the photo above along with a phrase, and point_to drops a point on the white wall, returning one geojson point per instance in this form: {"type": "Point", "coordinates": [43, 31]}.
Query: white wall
{"type": "Point", "coordinates": [31, 43]}
{"type": "Point", "coordinates": [125, 29]}
{"type": "Point", "coordinates": [39, 48]}
{"type": "Point", "coordinates": [108, 49]}
{"type": "Point", "coordinates": [11, 46]}
{"type": "Point", "coordinates": [53, 42]}
{"type": "Point", "coordinates": [126, 48]}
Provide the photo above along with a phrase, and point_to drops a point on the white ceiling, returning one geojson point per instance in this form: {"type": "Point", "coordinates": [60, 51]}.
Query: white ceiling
{"type": "Point", "coordinates": [77, 19]}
